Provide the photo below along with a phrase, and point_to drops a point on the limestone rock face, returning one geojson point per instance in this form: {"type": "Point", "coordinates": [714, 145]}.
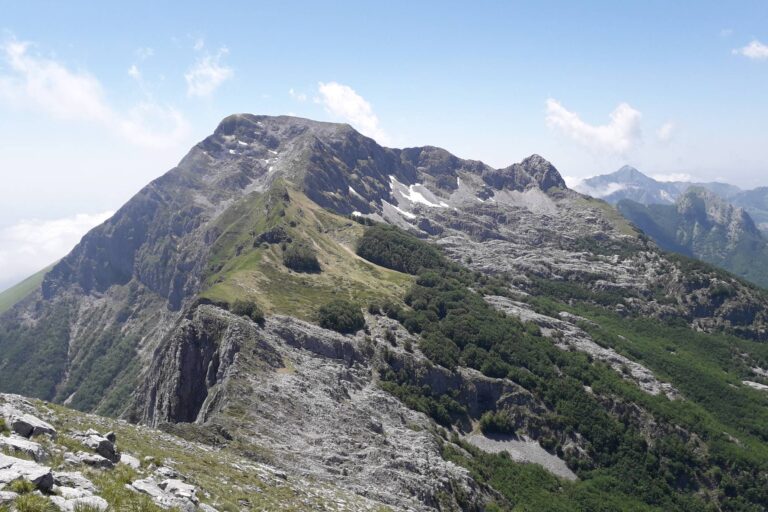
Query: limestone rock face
{"type": "Point", "coordinates": [12, 469]}
{"type": "Point", "coordinates": [22, 423]}
{"type": "Point", "coordinates": [313, 399]}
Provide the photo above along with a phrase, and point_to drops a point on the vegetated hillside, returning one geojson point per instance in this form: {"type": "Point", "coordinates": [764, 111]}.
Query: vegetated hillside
{"type": "Point", "coordinates": [703, 226]}
{"type": "Point", "coordinates": [18, 292]}
{"type": "Point", "coordinates": [523, 346]}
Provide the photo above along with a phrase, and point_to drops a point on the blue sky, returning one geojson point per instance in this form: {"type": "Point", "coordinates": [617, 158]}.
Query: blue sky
{"type": "Point", "coordinates": [96, 99]}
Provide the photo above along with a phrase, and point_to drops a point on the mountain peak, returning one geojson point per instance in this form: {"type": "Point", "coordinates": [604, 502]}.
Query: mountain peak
{"type": "Point", "coordinates": [629, 174]}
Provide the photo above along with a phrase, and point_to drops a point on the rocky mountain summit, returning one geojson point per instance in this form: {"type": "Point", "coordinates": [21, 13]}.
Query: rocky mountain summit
{"type": "Point", "coordinates": [326, 322]}
{"type": "Point", "coordinates": [704, 226]}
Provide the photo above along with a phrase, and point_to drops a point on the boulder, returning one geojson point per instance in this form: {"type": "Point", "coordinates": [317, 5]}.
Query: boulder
{"type": "Point", "coordinates": [130, 460]}
{"type": "Point", "coordinates": [24, 424]}
{"type": "Point", "coordinates": [71, 505]}
{"type": "Point", "coordinates": [73, 479]}
{"type": "Point", "coordinates": [162, 497]}
{"type": "Point", "coordinates": [100, 444]}
{"type": "Point", "coordinates": [179, 489]}
{"type": "Point", "coordinates": [7, 497]}
{"type": "Point", "coordinates": [12, 469]}
{"type": "Point", "coordinates": [16, 444]}
{"type": "Point", "coordinates": [89, 459]}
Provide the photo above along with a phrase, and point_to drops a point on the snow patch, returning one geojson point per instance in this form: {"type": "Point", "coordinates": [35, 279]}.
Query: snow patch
{"type": "Point", "coordinates": [232, 152]}
{"type": "Point", "coordinates": [242, 143]}
{"type": "Point", "coordinates": [355, 192]}
{"type": "Point", "coordinates": [356, 214]}
{"type": "Point", "coordinates": [416, 193]}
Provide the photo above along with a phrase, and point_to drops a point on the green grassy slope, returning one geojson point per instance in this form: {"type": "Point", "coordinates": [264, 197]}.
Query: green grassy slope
{"type": "Point", "coordinates": [243, 267]}
{"type": "Point", "coordinates": [14, 294]}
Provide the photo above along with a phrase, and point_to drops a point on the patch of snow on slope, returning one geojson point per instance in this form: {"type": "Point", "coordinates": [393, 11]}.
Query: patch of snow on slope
{"type": "Point", "coordinates": [355, 192]}
{"type": "Point", "coordinates": [416, 194]}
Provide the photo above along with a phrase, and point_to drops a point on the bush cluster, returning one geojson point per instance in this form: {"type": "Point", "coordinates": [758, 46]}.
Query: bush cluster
{"type": "Point", "coordinates": [301, 258]}
{"type": "Point", "coordinates": [341, 316]}
{"type": "Point", "coordinates": [248, 309]}
{"type": "Point", "coordinates": [392, 248]}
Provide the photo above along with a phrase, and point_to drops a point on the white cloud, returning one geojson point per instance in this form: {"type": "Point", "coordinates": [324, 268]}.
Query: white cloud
{"type": "Point", "coordinates": [343, 102]}
{"type": "Point", "coordinates": [43, 84]}
{"type": "Point", "coordinates": [620, 135]}
{"type": "Point", "coordinates": [298, 96]}
{"type": "Point", "coordinates": [31, 245]}
{"type": "Point", "coordinates": [675, 176]}
{"type": "Point", "coordinates": [599, 192]}
{"type": "Point", "coordinates": [572, 181]}
{"type": "Point", "coordinates": [754, 50]}
{"type": "Point", "coordinates": [207, 74]}
{"type": "Point", "coordinates": [665, 132]}
{"type": "Point", "coordinates": [134, 72]}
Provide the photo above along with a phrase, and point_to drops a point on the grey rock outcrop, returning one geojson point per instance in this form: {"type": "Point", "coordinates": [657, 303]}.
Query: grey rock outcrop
{"type": "Point", "coordinates": [12, 469]}
{"type": "Point", "coordinates": [23, 423]}
{"type": "Point", "coordinates": [15, 444]}
{"type": "Point", "coordinates": [102, 445]}
{"type": "Point", "coordinates": [313, 399]}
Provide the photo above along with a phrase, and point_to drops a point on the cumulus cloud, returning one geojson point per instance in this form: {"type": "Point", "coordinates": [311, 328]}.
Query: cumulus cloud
{"type": "Point", "coordinates": [31, 245]}
{"type": "Point", "coordinates": [619, 136]}
{"type": "Point", "coordinates": [207, 73]}
{"type": "Point", "coordinates": [675, 176]}
{"type": "Point", "coordinates": [341, 101]}
{"type": "Point", "coordinates": [35, 82]}
{"type": "Point", "coordinates": [754, 50]}
{"type": "Point", "coordinates": [665, 132]}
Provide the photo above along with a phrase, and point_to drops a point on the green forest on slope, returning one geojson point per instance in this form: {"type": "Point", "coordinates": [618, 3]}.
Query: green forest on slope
{"type": "Point", "coordinates": [724, 469]}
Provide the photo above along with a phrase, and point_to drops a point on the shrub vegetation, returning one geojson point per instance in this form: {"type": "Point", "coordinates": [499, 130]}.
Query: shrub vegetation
{"type": "Point", "coordinates": [342, 316]}
{"type": "Point", "coordinates": [301, 257]}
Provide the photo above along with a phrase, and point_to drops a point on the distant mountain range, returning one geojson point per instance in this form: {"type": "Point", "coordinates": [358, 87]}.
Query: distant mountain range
{"type": "Point", "coordinates": [703, 225]}
{"type": "Point", "coordinates": [629, 183]}
{"type": "Point", "coordinates": [716, 222]}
